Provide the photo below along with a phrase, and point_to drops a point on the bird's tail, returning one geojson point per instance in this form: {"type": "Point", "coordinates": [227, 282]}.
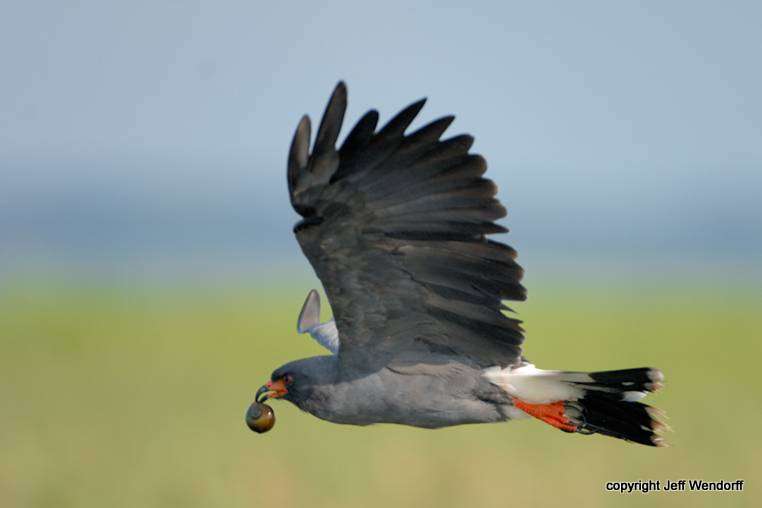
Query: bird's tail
{"type": "Point", "coordinates": [588, 402]}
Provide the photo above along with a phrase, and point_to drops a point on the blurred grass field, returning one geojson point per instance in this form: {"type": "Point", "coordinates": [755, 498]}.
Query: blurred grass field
{"type": "Point", "coordinates": [134, 397]}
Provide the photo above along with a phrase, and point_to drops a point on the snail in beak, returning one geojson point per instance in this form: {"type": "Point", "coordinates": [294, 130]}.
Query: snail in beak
{"type": "Point", "coordinates": [260, 417]}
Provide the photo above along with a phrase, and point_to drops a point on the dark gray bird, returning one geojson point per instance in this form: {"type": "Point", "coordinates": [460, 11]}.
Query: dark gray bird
{"type": "Point", "coordinates": [395, 225]}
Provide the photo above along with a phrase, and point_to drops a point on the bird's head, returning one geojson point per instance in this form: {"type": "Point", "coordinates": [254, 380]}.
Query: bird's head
{"type": "Point", "coordinates": [280, 385]}
{"type": "Point", "coordinates": [295, 381]}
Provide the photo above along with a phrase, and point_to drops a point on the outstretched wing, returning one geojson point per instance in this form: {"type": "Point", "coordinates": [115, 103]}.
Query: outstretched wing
{"type": "Point", "coordinates": [395, 227]}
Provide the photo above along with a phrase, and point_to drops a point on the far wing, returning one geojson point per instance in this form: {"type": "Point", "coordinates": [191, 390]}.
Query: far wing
{"type": "Point", "coordinates": [326, 333]}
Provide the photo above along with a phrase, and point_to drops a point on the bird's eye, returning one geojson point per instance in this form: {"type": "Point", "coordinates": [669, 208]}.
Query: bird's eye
{"type": "Point", "coordinates": [288, 379]}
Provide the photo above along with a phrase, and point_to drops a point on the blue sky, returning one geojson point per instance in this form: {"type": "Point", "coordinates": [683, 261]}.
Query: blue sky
{"type": "Point", "coordinates": [139, 131]}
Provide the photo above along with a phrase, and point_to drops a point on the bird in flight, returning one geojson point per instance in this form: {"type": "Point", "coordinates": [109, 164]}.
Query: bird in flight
{"type": "Point", "coordinates": [396, 228]}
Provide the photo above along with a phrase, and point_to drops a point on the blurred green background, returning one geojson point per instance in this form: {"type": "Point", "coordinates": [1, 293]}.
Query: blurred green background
{"type": "Point", "coordinates": [119, 396]}
{"type": "Point", "coordinates": [150, 281]}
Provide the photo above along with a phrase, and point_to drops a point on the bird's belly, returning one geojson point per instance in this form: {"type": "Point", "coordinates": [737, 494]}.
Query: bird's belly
{"type": "Point", "coordinates": [419, 401]}
{"type": "Point", "coordinates": [425, 416]}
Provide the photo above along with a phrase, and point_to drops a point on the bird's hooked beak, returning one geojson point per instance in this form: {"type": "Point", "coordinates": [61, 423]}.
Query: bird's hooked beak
{"type": "Point", "coordinates": [271, 390]}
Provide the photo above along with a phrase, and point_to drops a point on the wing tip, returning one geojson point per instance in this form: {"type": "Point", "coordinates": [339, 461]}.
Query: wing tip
{"type": "Point", "coordinates": [341, 87]}
{"type": "Point", "coordinates": [299, 152]}
{"type": "Point", "coordinates": [309, 316]}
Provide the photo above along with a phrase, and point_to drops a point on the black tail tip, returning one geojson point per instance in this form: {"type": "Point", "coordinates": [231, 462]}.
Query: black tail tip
{"type": "Point", "coordinates": [610, 406]}
{"type": "Point", "coordinates": [630, 421]}
{"type": "Point", "coordinates": [643, 379]}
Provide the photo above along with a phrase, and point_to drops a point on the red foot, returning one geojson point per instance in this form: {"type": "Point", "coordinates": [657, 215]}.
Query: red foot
{"type": "Point", "coordinates": [552, 414]}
